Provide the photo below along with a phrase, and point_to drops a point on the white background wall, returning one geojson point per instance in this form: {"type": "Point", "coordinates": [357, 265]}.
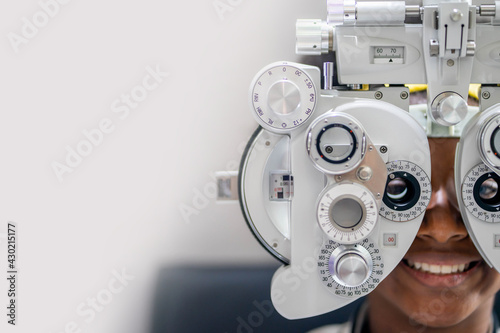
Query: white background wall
{"type": "Point", "coordinates": [119, 209]}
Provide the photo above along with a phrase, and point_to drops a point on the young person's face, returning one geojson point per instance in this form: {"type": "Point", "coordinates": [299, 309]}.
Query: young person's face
{"type": "Point", "coordinates": [441, 300]}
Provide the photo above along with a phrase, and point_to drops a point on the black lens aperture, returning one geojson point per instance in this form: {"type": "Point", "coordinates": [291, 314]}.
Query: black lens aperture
{"type": "Point", "coordinates": [486, 192]}
{"type": "Point", "coordinates": [402, 191]}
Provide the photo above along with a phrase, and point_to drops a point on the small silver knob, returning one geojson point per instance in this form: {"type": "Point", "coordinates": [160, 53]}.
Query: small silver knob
{"type": "Point", "coordinates": [471, 48]}
{"type": "Point", "coordinates": [433, 48]}
{"type": "Point", "coordinates": [456, 15]}
{"type": "Point", "coordinates": [449, 109]}
{"type": "Point", "coordinates": [364, 173]}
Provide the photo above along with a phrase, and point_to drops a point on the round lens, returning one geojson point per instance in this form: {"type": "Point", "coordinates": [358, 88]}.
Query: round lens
{"type": "Point", "coordinates": [402, 191]}
{"type": "Point", "coordinates": [486, 192]}
{"type": "Point", "coordinates": [488, 189]}
{"type": "Point", "coordinates": [397, 189]}
{"type": "Point", "coordinates": [346, 213]}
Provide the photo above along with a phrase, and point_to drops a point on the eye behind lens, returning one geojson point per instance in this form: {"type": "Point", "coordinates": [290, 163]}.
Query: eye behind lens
{"type": "Point", "coordinates": [488, 189]}
{"type": "Point", "coordinates": [397, 189]}
{"type": "Point", "coordinates": [486, 192]}
{"type": "Point", "coordinates": [402, 191]}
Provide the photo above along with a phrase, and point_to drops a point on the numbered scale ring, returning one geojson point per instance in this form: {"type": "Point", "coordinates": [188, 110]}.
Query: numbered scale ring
{"type": "Point", "coordinates": [408, 192]}
{"type": "Point", "coordinates": [350, 270]}
{"type": "Point", "coordinates": [283, 98]}
{"type": "Point", "coordinates": [347, 213]}
{"type": "Point", "coordinates": [481, 193]}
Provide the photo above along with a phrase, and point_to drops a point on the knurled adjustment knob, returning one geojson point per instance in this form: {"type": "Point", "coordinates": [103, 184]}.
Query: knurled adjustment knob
{"type": "Point", "coordinates": [313, 37]}
{"type": "Point", "coordinates": [352, 269]}
{"type": "Point", "coordinates": [449, 109]}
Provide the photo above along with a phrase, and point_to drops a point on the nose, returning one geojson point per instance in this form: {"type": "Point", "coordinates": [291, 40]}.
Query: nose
{"type": "Point", "coordinates": [442, 220]}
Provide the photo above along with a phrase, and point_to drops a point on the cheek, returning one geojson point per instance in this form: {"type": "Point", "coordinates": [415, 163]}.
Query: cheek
{"type": "Point", "coordinates": [435, 307]}
{"type": "Point", "coordinates": [396, 293]}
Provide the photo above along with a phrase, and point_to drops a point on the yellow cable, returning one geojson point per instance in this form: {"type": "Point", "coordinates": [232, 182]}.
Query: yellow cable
{"type": "Point", "coordinates": [473, 89]}
{"type": "Point", "coordinates": [416, 87]}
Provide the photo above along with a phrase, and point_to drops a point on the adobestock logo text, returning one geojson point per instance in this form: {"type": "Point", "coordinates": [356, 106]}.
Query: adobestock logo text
{"type": "Point", "coordinates": [30, 26]}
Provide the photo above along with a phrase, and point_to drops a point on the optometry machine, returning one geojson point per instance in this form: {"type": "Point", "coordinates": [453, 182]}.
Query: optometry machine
{"type": "Point", "coordinates": [336, 180]}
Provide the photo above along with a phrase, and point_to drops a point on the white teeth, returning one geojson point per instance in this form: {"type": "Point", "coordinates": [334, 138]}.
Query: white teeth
{"type": "Point", "coordinates": [446, 269]}
{"type": "Point", "coordinates": [438, 269]}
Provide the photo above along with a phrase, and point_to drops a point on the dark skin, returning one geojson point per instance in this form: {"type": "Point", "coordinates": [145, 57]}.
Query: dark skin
{"type": "Point", "coordinates": [454, 303]}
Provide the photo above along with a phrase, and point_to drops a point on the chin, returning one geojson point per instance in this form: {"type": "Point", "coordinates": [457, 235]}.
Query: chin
{"type": "Point", "coordinates": [438, 318]}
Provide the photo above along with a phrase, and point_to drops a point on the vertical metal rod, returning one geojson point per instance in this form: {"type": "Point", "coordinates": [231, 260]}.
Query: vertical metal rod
{"type": "Point", "coordinates": [328, 75]}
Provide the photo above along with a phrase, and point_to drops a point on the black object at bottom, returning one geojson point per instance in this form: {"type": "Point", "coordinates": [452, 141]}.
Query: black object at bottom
{"type": "Point", "coordinates": [226, 300]}
{"type": "Point", "coordinates": [229, 299]}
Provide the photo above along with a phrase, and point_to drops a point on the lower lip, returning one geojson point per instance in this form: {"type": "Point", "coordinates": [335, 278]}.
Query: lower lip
{"type": "Point", "coordinates": [445, 280]}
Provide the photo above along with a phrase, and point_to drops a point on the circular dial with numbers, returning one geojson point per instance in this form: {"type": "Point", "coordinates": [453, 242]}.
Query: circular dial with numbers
{"type": "Point", "coordinates": [283, 97]}
{"type": "Point", "coordinates": [407, 193]}
{"type": "Point", "coordinates": [350, 270]}
{"type": "Point", "coordinates": [347, 213]}
{"type": "Point", "coordinates": [481, 193]}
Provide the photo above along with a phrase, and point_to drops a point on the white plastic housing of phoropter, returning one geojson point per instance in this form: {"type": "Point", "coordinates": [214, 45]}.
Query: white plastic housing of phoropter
{"type": "Point", "coordinates": [286, 180]}
{"type": "Point", "coordinates": [477, 181]}
{"type": "Point", "coordinates": [320, 180]}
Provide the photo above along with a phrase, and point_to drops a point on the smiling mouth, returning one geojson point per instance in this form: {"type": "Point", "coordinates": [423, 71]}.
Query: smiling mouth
{"type": "Point", "coordinates": [440, 269]}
